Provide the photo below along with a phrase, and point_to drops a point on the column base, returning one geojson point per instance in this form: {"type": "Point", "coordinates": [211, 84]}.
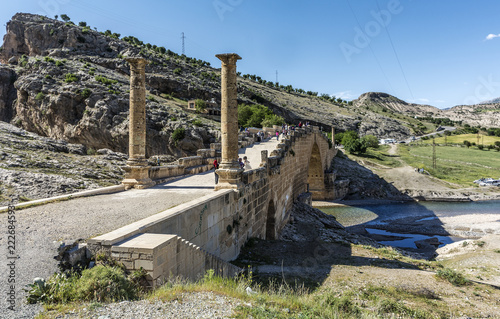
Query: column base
{"type": "Point", "coordinates": [137, 177]}
{"type": "Point", "coordinates": [229, 178]}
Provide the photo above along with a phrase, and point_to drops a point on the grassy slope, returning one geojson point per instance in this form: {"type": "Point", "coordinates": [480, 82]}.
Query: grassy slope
{"type": "Point", "coordinates": [389, 285]}
{"type": "Point", "coordinates": [459, 139]}
{"type": "Point", "coordinates": [454, 164]}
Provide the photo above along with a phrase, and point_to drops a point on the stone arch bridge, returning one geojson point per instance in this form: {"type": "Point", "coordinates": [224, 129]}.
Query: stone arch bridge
{"type": "Point", "coordinates": [206, 233]}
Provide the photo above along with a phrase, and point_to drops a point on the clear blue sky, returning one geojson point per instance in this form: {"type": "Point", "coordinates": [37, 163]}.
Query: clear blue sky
{"type": "Point", "coordinates": [425, 51]}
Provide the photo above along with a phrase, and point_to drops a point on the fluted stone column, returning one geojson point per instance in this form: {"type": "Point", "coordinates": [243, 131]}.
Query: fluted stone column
{"type": "Point", "coordinates": [229, 170]}
{"type": "Point", "coordinates": [137, 169]}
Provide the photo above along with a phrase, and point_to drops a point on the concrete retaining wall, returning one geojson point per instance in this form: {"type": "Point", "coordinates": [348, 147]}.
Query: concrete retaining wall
{"type": "Point", "coordinates": [168, 256]}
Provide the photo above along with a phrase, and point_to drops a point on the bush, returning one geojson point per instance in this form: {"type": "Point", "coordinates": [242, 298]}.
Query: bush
{"type": "Point", "coordinates": [104, 80]}
{"type": "Point", "coordinates": [100, 283]}
{"type": "Point", "coordinates": [23, 60]}
{"type": "Point", "coordinates": [85, 93]}
{"type": "Point", "coordinates": [70, 77]}
{"type": "Point", "coordinates": [39, 96]}
{"type": "Point", "coordinates": [177, 71]}
{"type": "Point", "coordinates": [480, 146]}
{"type": "Point", "coordinates": [178, 134]}
{"type": "Point", "coordinates": [454, 277]}
{"type": "Point", "coordinates": [197, 122]}
{"type": "Point", "coordinates": [104, 284]}
{"type": "Point", "coordinates": [200, 105]}
{"type": "Point", "coordinates": [59, 63]}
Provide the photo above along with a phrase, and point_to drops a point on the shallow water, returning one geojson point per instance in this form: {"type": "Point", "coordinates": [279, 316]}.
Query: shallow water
{"type": "Point", "coordinates": [422, 212]}
{"type": "Point", "coordinates": [354, 215]}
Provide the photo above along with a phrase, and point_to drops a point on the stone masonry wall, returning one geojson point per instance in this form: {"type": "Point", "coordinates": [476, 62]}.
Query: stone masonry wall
{"type": "Point", "coordinates": [220, 223]}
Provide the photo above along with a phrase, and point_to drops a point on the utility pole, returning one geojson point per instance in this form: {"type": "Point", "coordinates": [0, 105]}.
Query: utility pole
{"type": "Point", "coordinates": [433, 152]}
{"type": "Point", "coordinates": [183, 37]}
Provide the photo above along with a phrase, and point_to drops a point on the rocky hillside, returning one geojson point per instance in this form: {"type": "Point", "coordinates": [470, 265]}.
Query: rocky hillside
{"type": "Point", "coordinates": [71, 82]}
{"type": "Point", "coordinates": [483, 115]}
{"type": "Point", "coordinates": [33, 167]}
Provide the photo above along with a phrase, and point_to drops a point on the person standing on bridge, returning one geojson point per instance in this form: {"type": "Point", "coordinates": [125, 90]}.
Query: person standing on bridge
{"type": "Point", "coordinates": [216, 166]}
{"type": "Point", "coordinates": [246, 162]}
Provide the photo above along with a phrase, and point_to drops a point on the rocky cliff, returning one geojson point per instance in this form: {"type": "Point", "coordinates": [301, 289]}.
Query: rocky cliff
{"type": "Point", "coordinates": [71, 83]}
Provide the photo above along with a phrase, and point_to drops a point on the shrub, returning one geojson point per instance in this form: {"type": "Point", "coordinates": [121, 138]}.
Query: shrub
{"type": "Point", "coordinates": [200, 105]}
{"type": "Point", "coordinates": [100, 283]}
{"type": "Point", "coordinates": [107, 284]}
{"type": "Point", "coordinates": [85, 93]}
{"type": "Point", "coordinates": [480, 146]}
{"type": "Point", "coordinates": [23, 60]}
{"type": "Point", "coordinates": [178, 134]}
{"type": "Point", "coordinates": [197, 122]}
{"type": "Point", "coordinates": [70, 77]}
{"type": "Point", "coordinates": [59, 63]}
{"type": "Point", "coordinates": [39, 96]}
{"type": "Point", "coordinates": [105, 80]}
{"type": "Point", "coordinates": [454, 277]}
{"type": "Point", "coordinates": [48, 76]}
{"type": "Point", "coordinates": [177, 71]}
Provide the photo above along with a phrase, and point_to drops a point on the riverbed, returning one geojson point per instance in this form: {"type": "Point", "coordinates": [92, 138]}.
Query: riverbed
{"type": "Point", "coordinates": [400, 224]}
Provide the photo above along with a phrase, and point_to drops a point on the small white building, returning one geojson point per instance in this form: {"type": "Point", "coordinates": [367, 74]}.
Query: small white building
{"type": "Point", "coordinates": [387, 141]}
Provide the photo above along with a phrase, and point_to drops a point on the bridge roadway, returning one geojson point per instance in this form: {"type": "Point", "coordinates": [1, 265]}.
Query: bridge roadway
{"type": "Point", "coordinates": [40, 229]}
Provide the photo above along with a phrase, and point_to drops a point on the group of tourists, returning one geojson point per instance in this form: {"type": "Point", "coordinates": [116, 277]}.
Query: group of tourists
{"type": "Point", "coordinates": [244, 164]}
{"type": "Point", "coordinates": [287, 129]}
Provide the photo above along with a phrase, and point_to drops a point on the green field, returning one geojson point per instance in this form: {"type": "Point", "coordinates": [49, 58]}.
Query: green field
{"type": "Point", "coordinates": [459, 139]}
{"type": "Point", "coordinates": [454, 164]}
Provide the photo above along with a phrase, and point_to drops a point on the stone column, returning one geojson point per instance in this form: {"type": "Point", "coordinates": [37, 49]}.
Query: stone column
{"type": "Point", "coordinates": [137, 169]}
{"type": "Point", "coordinates": [229, 170]}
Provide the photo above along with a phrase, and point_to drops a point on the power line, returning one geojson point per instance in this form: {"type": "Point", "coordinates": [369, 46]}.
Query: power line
{"type": "Point", "coordinates": [371, 49]}
{"type": "Point", "coordinates": [397, 57]}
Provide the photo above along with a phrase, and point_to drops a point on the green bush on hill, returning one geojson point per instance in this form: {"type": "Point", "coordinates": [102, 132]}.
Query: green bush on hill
{"type": "Point", "coordinates": [257, 116]}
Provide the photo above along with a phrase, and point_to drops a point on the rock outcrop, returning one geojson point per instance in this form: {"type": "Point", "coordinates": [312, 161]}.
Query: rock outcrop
{"type": "Point", "coordinates": [71, 83]}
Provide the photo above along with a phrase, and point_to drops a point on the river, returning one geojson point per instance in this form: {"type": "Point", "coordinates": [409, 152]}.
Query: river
{"type": "Point", "coordinates": [407, 222]}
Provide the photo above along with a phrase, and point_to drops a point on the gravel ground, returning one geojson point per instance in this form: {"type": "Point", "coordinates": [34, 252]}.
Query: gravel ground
{"type": "Point", "coordinates": [39, 230]}
{"type": "Point", "coordinates": [187, 305]}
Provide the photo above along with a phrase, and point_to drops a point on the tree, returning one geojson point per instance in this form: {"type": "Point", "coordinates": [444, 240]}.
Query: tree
{"type": "Point", "coordinates": [82, 24]}
{"type": "Point", "coordinates": [65, 17]}
{"type": "Point", "coordinates": [271, 120]}
{"type": "Point", "coordinates": [467, 143]}
{"type": "Point", "coordinates": [200, 105]}
{"type": "Point", "coordinates": [352, 143]}
{"type": "Point", "coordinates": [370, 141]}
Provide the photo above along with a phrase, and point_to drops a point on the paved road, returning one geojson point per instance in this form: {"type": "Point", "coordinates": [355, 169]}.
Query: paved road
{"type": "Point", "coordinates": [40, 229]}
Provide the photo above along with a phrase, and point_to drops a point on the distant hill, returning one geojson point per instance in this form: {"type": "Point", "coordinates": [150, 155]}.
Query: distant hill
{"type": "Point", "coordinates": [493, 101]}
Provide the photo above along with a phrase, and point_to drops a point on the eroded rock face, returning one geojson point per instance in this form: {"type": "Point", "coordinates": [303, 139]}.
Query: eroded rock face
{"type": "Point", "coordinates": [72, 83]}
{"type": "Point", "coordinates": [7, 92]}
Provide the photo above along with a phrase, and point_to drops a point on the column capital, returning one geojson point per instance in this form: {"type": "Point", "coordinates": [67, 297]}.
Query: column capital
{"type": "Point", "coordinates": [228, 58]}
{"type": "Point", "coordinates": [137, 62]}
